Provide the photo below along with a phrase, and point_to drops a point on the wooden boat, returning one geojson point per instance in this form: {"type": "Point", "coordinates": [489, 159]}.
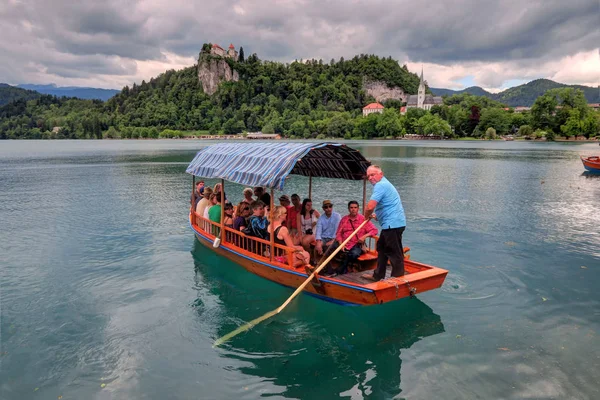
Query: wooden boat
{"type": "Point", "coordinates": [268, 165]}
{"type": "Point", "coordinates": [591, 164]}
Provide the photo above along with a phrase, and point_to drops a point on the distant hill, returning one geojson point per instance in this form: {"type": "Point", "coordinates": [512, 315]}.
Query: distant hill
{"type": "Point", "coordinates": [11, 93]}
{"type": "Point", "coordinates": [523, 95]}
{"type": "Point", "coordinates": [474, 90]}
{"type": "Point", "coordinates": [72, 91]}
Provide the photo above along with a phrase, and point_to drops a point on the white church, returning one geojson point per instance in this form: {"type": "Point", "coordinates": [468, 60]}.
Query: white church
{"type": "Point", "coordinates": [422, 100]}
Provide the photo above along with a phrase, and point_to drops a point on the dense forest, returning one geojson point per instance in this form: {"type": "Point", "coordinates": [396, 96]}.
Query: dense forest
{"type": "Point", "coordinates": [9, 94]}
{"type": "Point", "coordinates": [303, 99]}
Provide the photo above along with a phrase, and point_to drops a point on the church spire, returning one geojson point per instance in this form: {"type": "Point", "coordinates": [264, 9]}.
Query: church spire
{"type": "Point", "coordinates": [421, 81]}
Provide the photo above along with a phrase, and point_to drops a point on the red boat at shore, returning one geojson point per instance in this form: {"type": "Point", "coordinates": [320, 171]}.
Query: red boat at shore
{"type": "Point", "coordinates": [268, 165]}
{"type": "Point", "coordinates": [591, 164]}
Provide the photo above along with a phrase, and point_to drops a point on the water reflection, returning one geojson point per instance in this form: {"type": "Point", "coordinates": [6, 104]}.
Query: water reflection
{"type": "Point", "coordinates": [590, 175]}
{"type": "Point", "coordinates": [314, 349]}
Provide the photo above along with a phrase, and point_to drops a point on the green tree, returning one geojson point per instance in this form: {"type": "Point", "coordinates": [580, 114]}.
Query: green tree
{"type": "Point", "coordinates": [591, 125]}
{"type": "Point", "coordinates": [430, 124]}
{"type": "Point", "coordinates": [411, 118]}
{"type": "Point", "coordinates": [490, 133]}
{"type": "Point", "coordinates": [111, 133]}
{"type": "Point", "coordinates": [366, 127]}
{"type": "Point", "coordinates": [389, 124]}
{"type": "Point", "coordinates": [542, 112]}
{"type": "Point", "coordinates": [495, 118]}
{"type": "Point", "coordinates": [338, 126]}
{"type": "Point", "coordinates": [573, 126]}
{"type": "Point", "coordinates": [241, 55]}
{"type": "Point", "coordinates": [268, 128]}
{"type": "Point", "coordinates": [525, 131]}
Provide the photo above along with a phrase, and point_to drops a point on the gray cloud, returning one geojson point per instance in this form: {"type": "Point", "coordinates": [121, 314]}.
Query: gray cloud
{"type": "Point", "coordinates": [106, 38]}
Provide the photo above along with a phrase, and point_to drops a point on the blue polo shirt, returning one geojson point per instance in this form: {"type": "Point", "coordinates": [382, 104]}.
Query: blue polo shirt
{"type": "Point", "coordinates": [389, 210]}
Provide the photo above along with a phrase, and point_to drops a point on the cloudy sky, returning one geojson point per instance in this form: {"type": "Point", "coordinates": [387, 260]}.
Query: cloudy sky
{"type": "Point", "coordinates": [490, 43]}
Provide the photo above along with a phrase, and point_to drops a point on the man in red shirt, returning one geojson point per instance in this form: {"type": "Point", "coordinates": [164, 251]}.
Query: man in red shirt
{"type": "Point", "coordinates": [348, 225]}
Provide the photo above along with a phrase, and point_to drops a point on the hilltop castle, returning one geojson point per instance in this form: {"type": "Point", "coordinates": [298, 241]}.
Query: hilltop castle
{"type": "Point", "coordinates": [219, 51]}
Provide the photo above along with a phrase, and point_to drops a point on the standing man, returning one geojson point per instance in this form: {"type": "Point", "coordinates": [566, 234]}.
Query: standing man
{"type": "Point", "coordinates": [263, 196]}
{"type": "Point", "coordinates": [327, 226]}
{"type": "Point", "coordinates": [386, 203]}
{"type": "Point", "coordinates": [291, 221]}
{"type": "Point", "coordinates": [199, 193]}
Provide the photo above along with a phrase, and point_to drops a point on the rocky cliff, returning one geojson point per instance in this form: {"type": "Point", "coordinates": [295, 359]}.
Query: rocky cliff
{"type": "Point", "coordinates": [212, 70]}
{"type": "Point", "coordinates": [382, 92]}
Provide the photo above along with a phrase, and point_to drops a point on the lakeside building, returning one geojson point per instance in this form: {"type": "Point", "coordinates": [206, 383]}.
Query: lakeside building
{"type": "Point", "coordinates": [219, 51]}
{"type": "Point", "coordinates": [421, 99]}
{"type": "Point", "coordinates": [520, 109]}
{"type": "Point", "coordinates": [372, 108]}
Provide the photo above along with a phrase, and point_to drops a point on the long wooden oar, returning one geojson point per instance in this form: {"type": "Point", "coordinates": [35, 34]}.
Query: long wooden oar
{"type": "Point", "coordinates": [258, 320]}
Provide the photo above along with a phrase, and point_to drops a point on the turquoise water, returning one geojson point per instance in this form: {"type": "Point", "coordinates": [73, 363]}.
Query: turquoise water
{"type": "Point", "coordinates": [106, 294]}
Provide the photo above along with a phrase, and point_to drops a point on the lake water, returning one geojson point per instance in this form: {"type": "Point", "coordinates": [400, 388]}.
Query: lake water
{"type": "Point", "coordinates": [106, 294]}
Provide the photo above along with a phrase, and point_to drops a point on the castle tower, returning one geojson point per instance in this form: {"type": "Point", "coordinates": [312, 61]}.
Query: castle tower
{"type": "Point", "coordinates": [421, 92]}
{"type": "Point", "coordinates": [232, 53]}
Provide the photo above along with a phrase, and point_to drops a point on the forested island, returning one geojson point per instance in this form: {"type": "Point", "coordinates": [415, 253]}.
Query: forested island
{"type": "Point", "coordinates": [302, 99]}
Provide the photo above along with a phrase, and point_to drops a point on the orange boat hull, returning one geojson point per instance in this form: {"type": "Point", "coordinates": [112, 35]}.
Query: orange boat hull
{"type": "Point", "coordinates": [419, 277]}
{"type": "Point", "coordinates": [591, 164]}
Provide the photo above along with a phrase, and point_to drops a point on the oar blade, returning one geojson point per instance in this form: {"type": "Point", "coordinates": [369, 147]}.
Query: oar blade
{"type": "Point", "coordinates": [244, 327]}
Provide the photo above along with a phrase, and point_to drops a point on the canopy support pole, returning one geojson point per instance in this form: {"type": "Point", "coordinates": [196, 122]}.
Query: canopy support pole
{"type": "Point", "coordinates": [223, 236]}
{"type": "Point", "coordinates": [192, 208]}
{"type": "Point", "coordinates": [310, 185]}
{"type": "Point", "coordinates": [272, 238]}
{"type": "Point", "coordinates": [364, 196]}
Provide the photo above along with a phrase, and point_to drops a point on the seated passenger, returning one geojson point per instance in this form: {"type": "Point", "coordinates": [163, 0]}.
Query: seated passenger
{"type": "Point", "coordinates": [219, 189]}
{"type": "Point", "coordinates": [213, 201]}
{"type": "Point", "coordinates": [284, 200]}
{"type": "Point", "coordinates": [257, 223]}
{"type": "Point", "coordinates": [327, 226]}
{"type": "Point", "coordinates": [282, 237]}
{"type": "Point", "coordinates": [348, 225]}
{"type": "Point", "coordinates": [214, 213]}
{"type": "Point", "coordinates": [306, 222]}
{"type": "Point", "coordinates": [240, 222]}
{"type": "Point", "coordinates": [228, 215]}
{"type": "Point", "coordinates": [248, 199]}
{"type": "Point", "coordinates": [204, 202]}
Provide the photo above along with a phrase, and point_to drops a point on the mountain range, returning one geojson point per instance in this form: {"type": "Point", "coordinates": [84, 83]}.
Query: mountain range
{"type": "Point", "coordinates": [522, 95]}
{"type": "Point", "coordinates": [72, 91]}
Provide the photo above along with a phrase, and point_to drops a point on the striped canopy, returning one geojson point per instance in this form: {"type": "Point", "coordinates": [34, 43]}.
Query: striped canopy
{"type": "Point", "coordinates": [268, 164]}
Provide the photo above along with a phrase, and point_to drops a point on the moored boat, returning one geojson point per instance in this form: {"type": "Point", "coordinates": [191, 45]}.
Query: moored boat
{"type": "Point", "coordinates": [591, 164]}
{"type": "Point", "coordinates": [268, 165]}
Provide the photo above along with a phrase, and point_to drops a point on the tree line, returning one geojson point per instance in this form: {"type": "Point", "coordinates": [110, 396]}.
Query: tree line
{"type": "Point", "coordinates": [303, 99]}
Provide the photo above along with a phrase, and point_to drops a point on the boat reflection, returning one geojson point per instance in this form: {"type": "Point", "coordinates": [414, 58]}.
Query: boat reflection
{"type": "Point", "coordinates": [314, 349]}
{"type": "Point", "coordinates": [590, 175]}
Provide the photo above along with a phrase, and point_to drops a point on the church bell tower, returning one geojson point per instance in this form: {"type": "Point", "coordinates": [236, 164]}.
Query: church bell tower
{"type": "Point", "coordinates": [421, 92]}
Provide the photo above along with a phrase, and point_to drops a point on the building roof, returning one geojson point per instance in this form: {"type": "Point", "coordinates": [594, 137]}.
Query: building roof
{"type": "Point", "coordinates": [268, 164]}
{"type": "Point", "coordinates": [373, 106]}
{"type": "Point", "coordinates": [217, 46]}
{"type": "Point", "coordinates": [429, 99]}
{"type": "Point", "coordinates": [231, 46]}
